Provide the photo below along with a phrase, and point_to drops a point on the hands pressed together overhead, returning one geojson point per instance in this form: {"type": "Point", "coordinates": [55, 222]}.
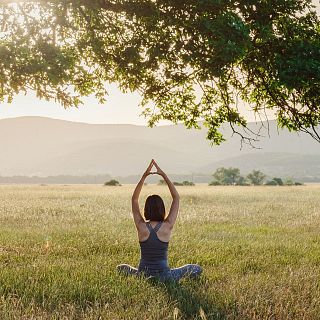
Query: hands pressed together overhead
{"type": "Point", "coordinates": [148, 171]}
{"type": "Point", "coordinates": [171, 218]}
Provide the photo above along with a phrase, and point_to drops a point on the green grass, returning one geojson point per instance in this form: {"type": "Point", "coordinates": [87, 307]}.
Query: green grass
{"type": "Point", "coordinates": [259, 248]}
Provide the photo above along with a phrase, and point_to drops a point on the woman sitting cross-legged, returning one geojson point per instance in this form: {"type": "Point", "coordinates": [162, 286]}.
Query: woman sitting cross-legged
{"type": "Point", "coordinates": [154, 234]}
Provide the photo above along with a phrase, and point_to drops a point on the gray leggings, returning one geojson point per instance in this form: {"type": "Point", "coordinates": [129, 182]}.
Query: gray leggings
{"type": "Point", "coordinates": [175, 274]}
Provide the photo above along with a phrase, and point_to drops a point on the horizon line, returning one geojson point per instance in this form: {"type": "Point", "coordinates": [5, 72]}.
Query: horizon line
{"type": "Point", "coordinates": [91, 123]}
{"type": "Point", "coordinates": [114, 124]}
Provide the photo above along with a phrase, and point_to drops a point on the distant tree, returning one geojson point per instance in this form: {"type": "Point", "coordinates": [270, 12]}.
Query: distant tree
{"type": "Point", "coordinates": [278, 181]}
{"type": "Point", "coordinates": [113, 183]}
{"type": "Point", "coordinates": [256, 177]}
{"type": "Point", "coordinates": [242, 181]}
{"type": "Point", "coordinates": [161, 182]}
{"type": "Point", "coordinates": [178, 183]}
{"type": "Point", "coordinates": [288, 182]}
{"type": "Point", "coordinates": [271, 183]}
{"type": "Point", "coordinates": [227, 176]}
{"type": "Point", "coordinates": [274, 182]}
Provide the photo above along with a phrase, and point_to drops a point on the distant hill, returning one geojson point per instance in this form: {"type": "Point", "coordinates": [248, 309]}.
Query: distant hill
{"type": "Point", "coordinates": [274, 165]}
{"type": "Point", "coordinates": [36, 146]}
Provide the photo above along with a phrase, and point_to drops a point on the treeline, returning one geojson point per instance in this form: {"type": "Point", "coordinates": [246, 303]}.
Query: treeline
{"type": "Point", "coordinates": [60, 179]}
{"type": "Point", "coordinates": [231, 176]}
{"type": "Point", "coordinates": [222, 176]}
{"type": "Point", "coordinates": [97, 179]}
{"type": "Point", "coordinates": [176, 183]}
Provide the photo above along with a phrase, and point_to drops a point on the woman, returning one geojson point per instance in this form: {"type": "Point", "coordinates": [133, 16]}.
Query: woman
{"type": "Point", "coordinates": [154, 235]}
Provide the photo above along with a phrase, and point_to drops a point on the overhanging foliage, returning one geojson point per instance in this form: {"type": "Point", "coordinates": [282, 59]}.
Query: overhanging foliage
{"type": "Point", "coordinates": [190, 60]}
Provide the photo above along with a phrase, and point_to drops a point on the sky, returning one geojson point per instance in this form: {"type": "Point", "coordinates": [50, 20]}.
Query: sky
{"type": "Point", "coordinates": [119, 107]}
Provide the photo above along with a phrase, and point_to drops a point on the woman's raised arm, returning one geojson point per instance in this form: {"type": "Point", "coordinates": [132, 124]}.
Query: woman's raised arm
{"type": "Point", "coordinates": [174, 209]}
{"type": "Point", "coordinates": [137, 217]}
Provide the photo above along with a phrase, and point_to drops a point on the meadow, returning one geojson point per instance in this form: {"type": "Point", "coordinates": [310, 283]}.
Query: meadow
{"type": "Point", "coordinates": [259, 248]}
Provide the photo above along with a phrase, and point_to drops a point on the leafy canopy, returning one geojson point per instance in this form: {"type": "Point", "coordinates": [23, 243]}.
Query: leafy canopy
{"type": "Point", "coordinates": [228, 176]}
{"type": "Point", "coordinates": [256, 177]}
{"type": "Point", "coordinates": [190, 60]}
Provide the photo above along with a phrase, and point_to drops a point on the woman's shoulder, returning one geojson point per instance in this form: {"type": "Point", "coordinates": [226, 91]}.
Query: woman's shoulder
{"type": "Point", "coordinates": [164, 232]}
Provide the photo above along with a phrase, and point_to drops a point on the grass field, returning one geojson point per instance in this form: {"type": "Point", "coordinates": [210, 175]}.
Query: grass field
{"type": "Point", "coordinates": [259, 248]}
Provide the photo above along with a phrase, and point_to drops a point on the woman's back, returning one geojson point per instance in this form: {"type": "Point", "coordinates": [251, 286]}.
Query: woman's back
{"type": "Point", "coordinates": [154, 252]}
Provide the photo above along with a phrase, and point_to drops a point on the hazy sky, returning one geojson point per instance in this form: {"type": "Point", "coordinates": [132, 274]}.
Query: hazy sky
{"type": "Point", "coordinates": [119, 108]}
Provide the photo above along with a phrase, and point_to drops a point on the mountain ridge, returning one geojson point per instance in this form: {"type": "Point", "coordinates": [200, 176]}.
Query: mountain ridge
{"type": "Point", "coordinates": [44, 147]}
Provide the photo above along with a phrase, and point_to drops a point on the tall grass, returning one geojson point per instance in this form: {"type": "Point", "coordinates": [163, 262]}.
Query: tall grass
{"type": "Point", "coordinates": [259, 248]}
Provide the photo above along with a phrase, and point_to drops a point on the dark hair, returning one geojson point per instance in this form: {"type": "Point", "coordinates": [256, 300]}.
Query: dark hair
{"type": "Point", "coordinates": [154, 209]}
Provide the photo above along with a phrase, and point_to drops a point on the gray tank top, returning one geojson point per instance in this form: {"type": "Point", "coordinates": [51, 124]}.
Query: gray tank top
{"type": "Point", "coordinates": [154, 252]}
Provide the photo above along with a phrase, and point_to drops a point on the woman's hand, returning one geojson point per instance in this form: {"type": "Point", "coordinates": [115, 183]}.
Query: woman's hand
{"type": "Point", "coordinates": [159, 171]}
{"type": "Point", "coordinates": [148, 171]}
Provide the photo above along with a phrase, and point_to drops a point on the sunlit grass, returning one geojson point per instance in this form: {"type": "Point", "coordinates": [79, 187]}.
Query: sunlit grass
{"type": "Point", "coordinates": [259, 248]}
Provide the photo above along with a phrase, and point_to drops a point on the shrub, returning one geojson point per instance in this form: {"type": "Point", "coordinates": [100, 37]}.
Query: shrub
{"type": "Point", "coordinates": [271, 183]}
{"type": "Point", "coordinates": [278, 181]}
{"type": "Point", "coordinates": [184, 183]}
{"type": "Point", "coordinates": [215, 183]}
{"type": "Point", "coordinates": [275, 182]}
{"type": "Point", "coordinates": [187, 183]}
{"type": "Point", "coordinates": [113, 183]}
{"type": "Point", "coordinates": [289, 182]}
